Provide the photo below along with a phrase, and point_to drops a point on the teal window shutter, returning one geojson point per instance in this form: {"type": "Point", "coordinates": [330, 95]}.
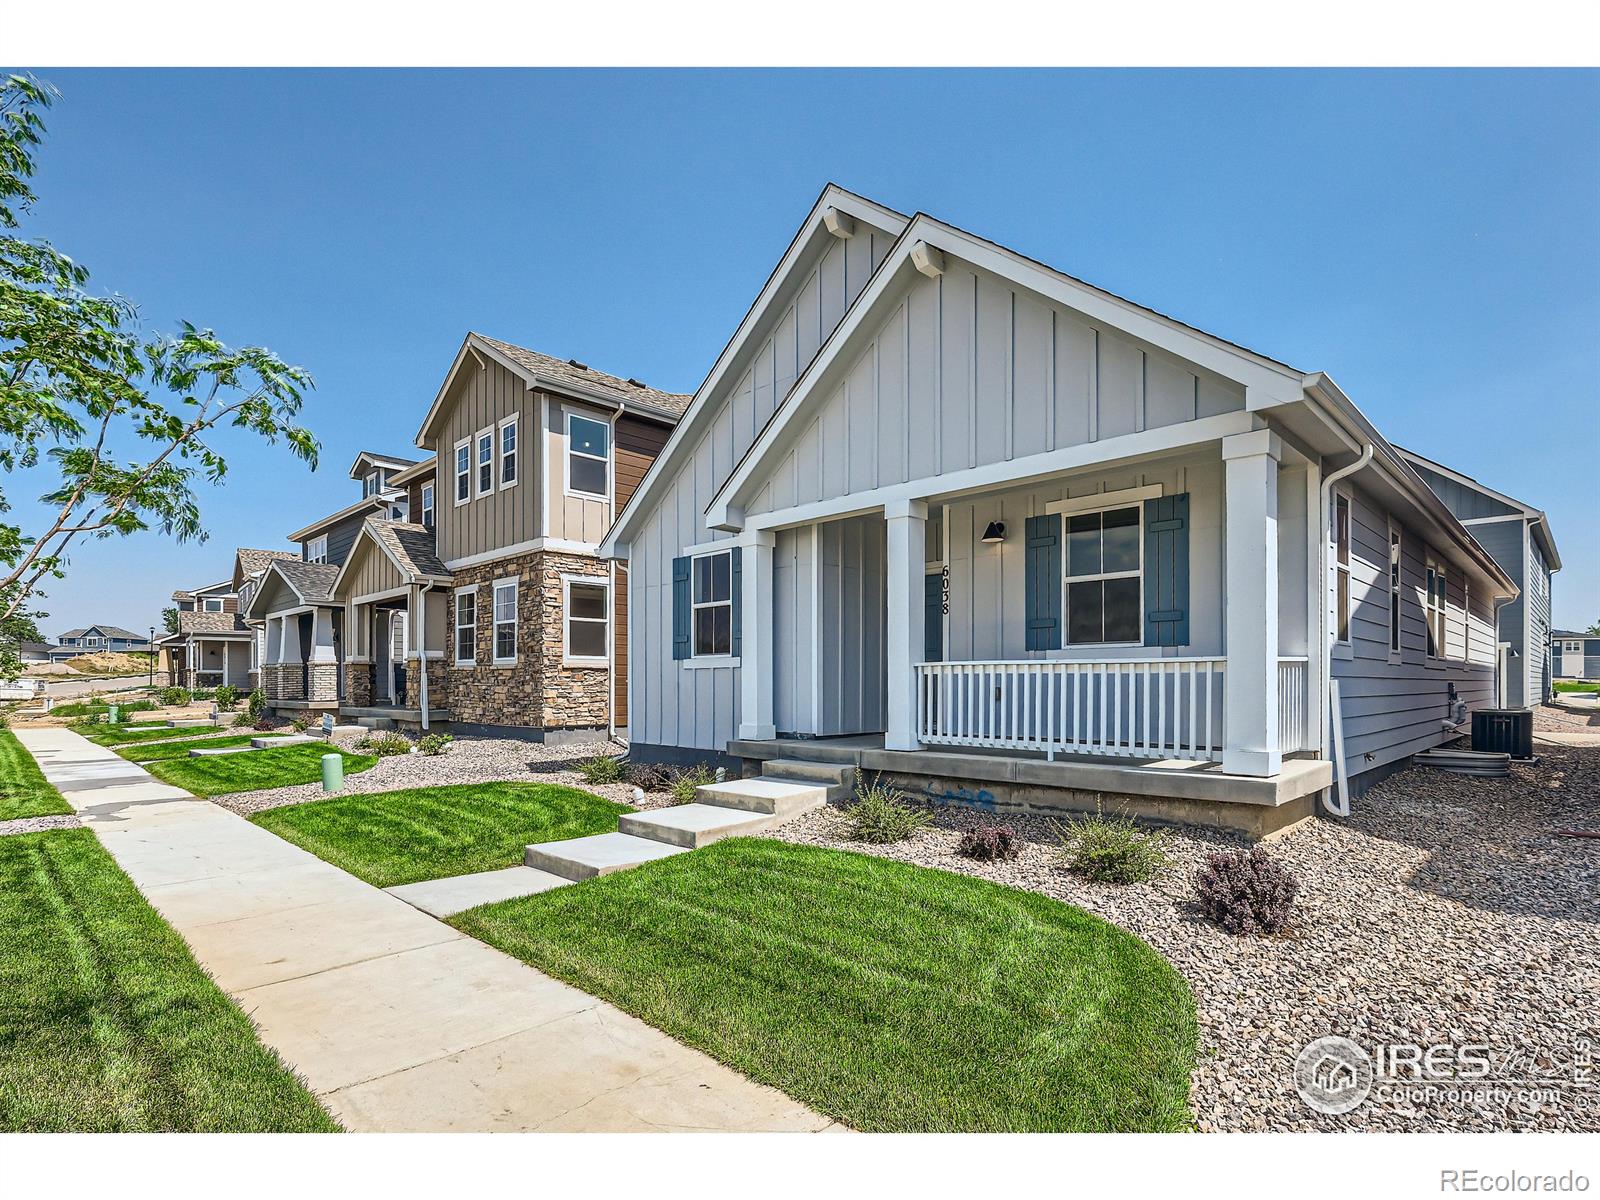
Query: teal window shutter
{"type": "Point", "coordinates": [1042, 572]}
{"type": "Point", "coordinates": [933, 618]}
{"type": "Point", "coordinates": [681, 608]}
{"type": "Point", "coordinates": [1166, 571]}
{"type": "Point", "coordinates": [736, 594]}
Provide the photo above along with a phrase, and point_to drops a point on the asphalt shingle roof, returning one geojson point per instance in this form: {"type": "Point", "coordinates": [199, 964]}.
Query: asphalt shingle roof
{"type": "Point", "coordinates": [254, 561]}
{"type": "Point", "coordinates": [670, 402]}
{"type": "Point", "coordinates": [314, 581]}
{"type": "Point", "coordinates": [211, 622]}
{"type": "Point", "coordinates": [412, 545]}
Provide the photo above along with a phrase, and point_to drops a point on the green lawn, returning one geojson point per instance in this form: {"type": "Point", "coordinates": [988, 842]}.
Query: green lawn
{"type": "Point", "coordinates": [388, 838]}
{"type": "Point", "coordinates": [85, 708]}
{"type": "Point", "coordinates": [23, 789]}
{"type": "Point", "coordinates": [280, 767]}
{"type": "Point", "coordinates": [1576, 685]}
{"type": "Point", "coordinates": [106, 1021]}
{"type": "Point", "coordinates": [133, 731]}
{"type": "Point", "coordinates": [888, 996]}
{"type": "Point", "coordinates": [157, 751]}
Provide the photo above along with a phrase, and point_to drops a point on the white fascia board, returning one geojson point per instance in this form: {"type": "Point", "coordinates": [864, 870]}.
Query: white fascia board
{"type": "Point", "coordinates": [1268, 382]}
{"type": "Point", "coordinates": [685, 434]}
{"type": "Point", "coordinates": [1018, 472]}
{"type": "Point", "coordinates": [424, 439]}
{"type": "Point", "coordinates": [319, 525]}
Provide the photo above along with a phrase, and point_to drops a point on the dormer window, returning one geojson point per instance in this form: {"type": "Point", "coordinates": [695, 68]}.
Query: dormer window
{"type": "Point", "coordinates": [371, 484]}
{"type": "Point", "coordinates": [317, 549]}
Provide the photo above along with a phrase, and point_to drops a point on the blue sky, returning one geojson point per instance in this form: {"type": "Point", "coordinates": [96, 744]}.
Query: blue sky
{"type": "Point", "coordinates": [1429, 238]}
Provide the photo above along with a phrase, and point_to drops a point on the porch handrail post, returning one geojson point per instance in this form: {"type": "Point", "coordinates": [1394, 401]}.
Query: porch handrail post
{"type": "Point", "coordinates": [1251, 745]}
{"type": "Point", "coordinates": [907, 545]}
{"type": "Point", "coordinates": [756, 672]}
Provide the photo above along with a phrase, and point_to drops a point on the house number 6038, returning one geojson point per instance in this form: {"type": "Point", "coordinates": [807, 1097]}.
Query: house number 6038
{"type": "Point", "coordinates": [944, 590]}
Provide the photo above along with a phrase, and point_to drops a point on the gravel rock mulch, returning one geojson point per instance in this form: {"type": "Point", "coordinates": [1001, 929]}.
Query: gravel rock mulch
{"type": "Point", "coordinates": [1444, 910]}
{"type": "Point", "coordinates": [1566, 718]}
{"type": "Point", "coordinates": [38, 824]}
{"type": "Point", "coordinates": [466, 760]}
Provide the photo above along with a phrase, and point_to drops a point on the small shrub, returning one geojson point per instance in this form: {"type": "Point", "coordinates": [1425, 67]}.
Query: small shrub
{"type": "Point", "coordinates": [990, 843]}
{"type": "Point", "coordinates": [686, 781]}
{"type": "Point", "coordinates": [226, 695]}
{"type": "Point", "coordinates": [649, 777]}
{"type": "Point", "coordinates": [255, 704]}
{"type": "Point", "coordinates": [242, 720]}
{"type": "Point", "coordinates": [299, 724]}
{"type": "Point", "coordinates": [174, 697]}
{"type": "Point", "coordinates": [265, 721]}
{"type": "Point", "coordinates": [883, 813]}
{"type": "Point", "coordinates": [1112, 849]}
{"type": "Point", "coordinates": [384, 744]}
{"type": "Point", "coordinates": [602, 768]}
{"type": "Point", "coordinates": [434, 743]}
{"type": "Point", "coordinates": [1246, 891]}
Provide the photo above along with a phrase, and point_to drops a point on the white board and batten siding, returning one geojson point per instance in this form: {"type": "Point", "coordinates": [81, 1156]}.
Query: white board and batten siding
{"type": "Point", "coordinates": [1394, 709]}
{"type": "Point", "coordinates": [698, 707]}
{"type": "Point", "coordinates": [967, 370]}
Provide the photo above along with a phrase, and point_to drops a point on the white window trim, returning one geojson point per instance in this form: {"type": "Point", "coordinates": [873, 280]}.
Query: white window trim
{"type": "Point", "coordinates": [569, 659]}
{"type": "Point", "coordinates": [695, 605]}
{"type": "Point", "coordinates": [456, 626]}
{"type": "Point", "coordinates": [609, 459]}
{"type": "Point", "coordinates": [1441, 645]}
{"type": "Point", "coordinates": [707, 662]}
{"type": "Point", "coordinates": [494, 620]}
{"type": "Point", "coordinates": [369, 484]}
{"type": "Point", "coordinates": [500, 454]}
{"type": "Point", "coordinates": [1081, 507]}
{"type": "Point", "coordinates": [428, 516]}
{"type": "Point", "coordinates": [1344, 647]}
{"type": "Point", "coordinates": [209, 601]}
{"type": "Point", "coordinates": [478, 491]}
{"type": "Point", "coordinates": [457, 473]}
{"type": "Point", "coordinates": [317, 549]}
{"type": "Point", "coordinates": [1395, 573]}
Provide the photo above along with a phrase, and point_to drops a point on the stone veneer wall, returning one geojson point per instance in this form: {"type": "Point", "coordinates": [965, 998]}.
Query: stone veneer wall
{"type": "Point", "coordinates": [358, 685]}
{"type": "Point", "coordinates": [323, 681]}
{"type": "Point", "coordinates": [538, 691]}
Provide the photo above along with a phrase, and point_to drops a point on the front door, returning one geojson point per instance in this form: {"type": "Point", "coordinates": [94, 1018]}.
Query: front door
{"type": "Point", "coordinates": [397, 656]}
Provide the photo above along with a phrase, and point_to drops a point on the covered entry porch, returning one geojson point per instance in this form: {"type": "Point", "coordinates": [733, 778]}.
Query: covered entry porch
{"type": "Point", "coordinates": [1160, 615]}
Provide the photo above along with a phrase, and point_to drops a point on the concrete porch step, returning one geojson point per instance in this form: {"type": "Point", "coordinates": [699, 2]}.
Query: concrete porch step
{"type": "Point", "coordinates": [694, 825]}
{"type": "Point", "coordinates": [201, 724]}
{"type": "Point", "coordinates": [288, 739]}
{"type": "Point", "coordinates": [838, 778]}
{"type": "Point", "coordinates": [599, 854]}
{"type": "Point", "coordinates": [375, 722]}
{"type": "Point", "coordinates": [778, 797]}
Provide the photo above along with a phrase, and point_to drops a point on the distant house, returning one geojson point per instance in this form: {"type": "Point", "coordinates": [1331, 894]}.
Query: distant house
{"type": "Point", "coordinates": [98, 639]}
{"type": "Point", "coordinates": [1574, 655]}
{"type": "Point", "coordinates": [1518, 536]}
{"type": "Point", "coordinates": [209, 646]}
{"type": "Point", "coordinates": [34, 652]}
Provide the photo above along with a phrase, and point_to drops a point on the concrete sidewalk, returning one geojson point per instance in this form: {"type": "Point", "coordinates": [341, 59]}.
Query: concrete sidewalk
{"type": "Point", "coordinates": [393, 1018]}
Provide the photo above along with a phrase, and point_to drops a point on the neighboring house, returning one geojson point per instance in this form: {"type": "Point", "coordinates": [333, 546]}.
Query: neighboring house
{"type": "Point", "coordinates": [298, 624]}
{"type": "Point", "coordinates": [1574, 655]}
{"type": "Point", "coordinates": [936, 500]}
{"type": "Point", "coordinates": [34, 652]}
{"type": "Point", "coordinates": [493, 582]}
{"type": "Point", "coordinates": [249, 567]}
{"type": "Point", "coordinates": [1519, 538]}
{"type": "Point", "coordinates": [97, 639]}
{"type": "Point", "coordinates": [211, 644]}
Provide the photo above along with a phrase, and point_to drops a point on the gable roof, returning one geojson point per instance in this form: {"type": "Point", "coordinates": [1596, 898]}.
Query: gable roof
{"type": "Point", "coordinates": [248, 563]}
{"type": "Point", "coordinates": [311, 583]}
{"type": "Point", "coordinates": [191, 623]}
{"type": "Point", "coordinates": [833, 198]}
{"type": "Point", "coordinates": [191, 593]}
{"type": "Point", "coordinates": [110, 631]}
{"type": "Point", "coordinates": [379, 460]}
{"type": "Point", "coordinates": [568, 378]}
{"type": "Point", "coordinates": [322, 523]}
{"type": "Point", "coordinates": [411, 548]}
{"type": "Point", "coordinates": [1539, 523]}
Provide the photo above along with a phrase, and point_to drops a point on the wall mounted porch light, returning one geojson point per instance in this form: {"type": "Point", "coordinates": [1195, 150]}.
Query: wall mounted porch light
{"type": "Point", "coordinates": [995, 533]}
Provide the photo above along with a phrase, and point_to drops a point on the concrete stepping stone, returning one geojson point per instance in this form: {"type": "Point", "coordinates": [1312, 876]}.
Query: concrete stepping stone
{"type": "Point", "coordinates": [598, 854]}
{"type": "Point", "coordinates": [694, 825]}
{"type": "Point", "coordinates": [783, 797]}
{"type": "Point", "coordinates": [202, 724]}
{"type": "Point", "coordinates": [288, 739]}
{"type": "Point", "coordinates": [218, 751]}
{"type": "Point", "coordinates": [446, 897]}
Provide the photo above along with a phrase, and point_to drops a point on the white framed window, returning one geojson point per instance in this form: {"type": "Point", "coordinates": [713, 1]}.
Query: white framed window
{"type": "Point", "coordinates": [466, 646]}
{"type": "Point", "coordinates": [711, 596]}
{"type": "Point", "coordinates": [1341, 568]}
{"type": "Point", "coordinates": [369, 485]}
{"type": "Point", "coordinates": [427, 505]}
{"type": "Point", "coordinates": [588, 456]}
{"type": "Point", "coordinates": [505, 621]}
{"type": "Point", "coordinates": [1434, 608]}
{"type": "Point", "coordinates": [1103, 584]}
{"type": "Point", "coordinates": [1394, 591]}
{"type": "Point", "coordinates": [587, 604]}
{"type": "Point", "coordinates": [400, 510]}
{"type": "Point", "coordinates": [483, 461]}
{"type": "Point", "coordinates": [463, 464]}
{"type": "Point", "coordinates": [317, 549]}
{"type": "Point", "coordinates": [508, 452]}
{"type": "Point", "coordinates": [213, 604]}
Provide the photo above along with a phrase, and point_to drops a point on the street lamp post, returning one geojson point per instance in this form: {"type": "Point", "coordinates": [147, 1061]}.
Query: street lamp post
{"type": "Point", "coordinates": [151, 646]}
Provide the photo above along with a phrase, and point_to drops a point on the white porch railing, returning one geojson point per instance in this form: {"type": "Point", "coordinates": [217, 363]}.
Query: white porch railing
{"type": "Point", "coordinates": [1137, 708]}
{"type": "Point", "coordinates": [1293, 708]}
{"type": "Point", "coordinates": [1134, 708]}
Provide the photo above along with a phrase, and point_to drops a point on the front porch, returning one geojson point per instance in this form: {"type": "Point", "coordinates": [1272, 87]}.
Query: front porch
{"type": "Point", "coordinates": [1148, 631]}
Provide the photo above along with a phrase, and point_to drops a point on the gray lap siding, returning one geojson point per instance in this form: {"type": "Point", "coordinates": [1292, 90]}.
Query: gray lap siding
{"type": "Point", "coordinates": [1394, 709]}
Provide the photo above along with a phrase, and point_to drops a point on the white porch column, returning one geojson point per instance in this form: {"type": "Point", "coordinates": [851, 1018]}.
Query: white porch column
{"type": "Point", "coordinates": [907, 521]}
{"type": "Point", "coordinates": [274, 640]}
{"type": "Point", "coordinates": [1250, 712]}
{"type": "Point", "coordinates": [755, 635]}
{"type": "Point", "coordinates": [322, 637]}
{"type": "Point", "coordinates": [289, 641]}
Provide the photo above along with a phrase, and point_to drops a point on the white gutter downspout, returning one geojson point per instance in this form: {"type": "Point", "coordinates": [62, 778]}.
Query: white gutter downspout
{"type": "Point", "coordinates": [422, 652]}
{"type": "Point", "coordinates": [1341, 808]}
